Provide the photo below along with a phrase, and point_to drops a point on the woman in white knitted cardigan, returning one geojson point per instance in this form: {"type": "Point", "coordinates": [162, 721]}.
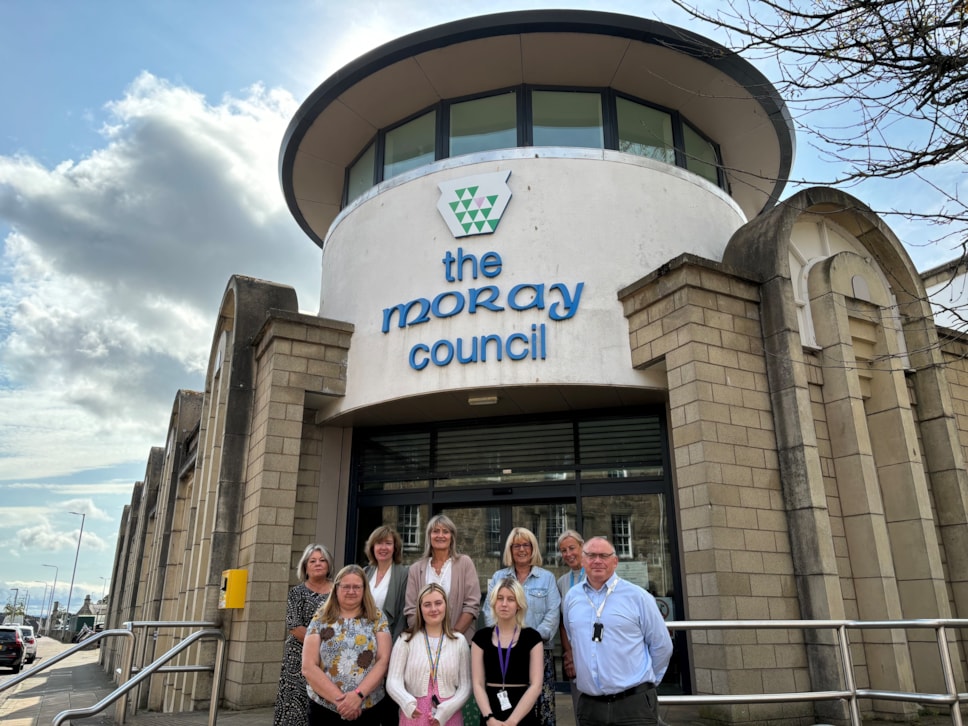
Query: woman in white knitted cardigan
{"type": "Point", "coordinates": [430, 671]}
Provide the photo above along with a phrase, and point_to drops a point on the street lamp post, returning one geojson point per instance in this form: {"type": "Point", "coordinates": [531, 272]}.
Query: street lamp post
{"type": "Point", "coordinates": [50, 610]}
{"type": "Point", "coordinates": [70, 592]}
{"type": "Point", "coordinates": [43, 601]}
{"type": "Point", "coordinates": [16, 595]}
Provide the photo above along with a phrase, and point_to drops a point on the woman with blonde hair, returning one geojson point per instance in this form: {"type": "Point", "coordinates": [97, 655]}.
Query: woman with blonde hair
{"type": "Point", "coordinates": [523, 565]}
{"type": "Point", "coordinates": [430, 672]}
{"type": "Point", "coordinates": [444, 565]}
{"type": "Point", "coordinates": [315, 573]}
{"type": "Point", "coordinates": [346, 653]}
{"type": "Point", "coordinates": [507, 660]}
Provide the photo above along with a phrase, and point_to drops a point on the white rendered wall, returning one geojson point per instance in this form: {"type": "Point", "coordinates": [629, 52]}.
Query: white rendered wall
{"type": "Point", "coordinates": [603, 219]}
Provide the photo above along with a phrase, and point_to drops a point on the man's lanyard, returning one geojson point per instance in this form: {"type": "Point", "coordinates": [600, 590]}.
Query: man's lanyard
{"type": "Point", "coordinates": [598, 611]}
{"type": "Point", "coordinates": [433, 660]}
{"type": "Point", "coordinates": [504, 662]}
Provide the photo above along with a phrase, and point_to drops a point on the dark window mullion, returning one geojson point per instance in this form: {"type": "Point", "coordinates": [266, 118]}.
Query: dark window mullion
{"type": "Point", "coordinates": [678, 140]}
{"type": "Point", "coordinates": [609, 120]}
{"type": "Point", "coordinates": [525, 122]}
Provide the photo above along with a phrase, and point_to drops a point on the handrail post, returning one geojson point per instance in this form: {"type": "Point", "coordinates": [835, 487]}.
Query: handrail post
{"type": "Point", "coordinates": [217, 681]}
{"type": "Point", "coordinates": [949, 676]}
{"type": "Point", "coordinates": [848, 665]}
{"type": "Point", "coordinates": [127, 660]}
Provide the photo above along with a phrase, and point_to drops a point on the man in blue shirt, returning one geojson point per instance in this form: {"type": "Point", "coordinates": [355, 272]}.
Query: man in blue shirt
{"type": "Point", "coordinates": [620, 643]}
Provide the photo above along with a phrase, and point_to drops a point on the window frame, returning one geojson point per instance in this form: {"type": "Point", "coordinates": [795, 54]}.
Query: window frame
{"type": "Point", "coordinates": [525, 129]}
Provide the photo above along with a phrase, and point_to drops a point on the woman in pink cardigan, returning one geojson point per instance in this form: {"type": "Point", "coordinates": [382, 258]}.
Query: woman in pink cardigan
{"type": "Point", "coordinates": [430, 666]}
{"type": "Point", "coordinates": [455, 573]}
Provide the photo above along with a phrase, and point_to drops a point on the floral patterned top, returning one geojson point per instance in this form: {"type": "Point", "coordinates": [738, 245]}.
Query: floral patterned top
{"type": "Point", "coordinates": [347, 652]}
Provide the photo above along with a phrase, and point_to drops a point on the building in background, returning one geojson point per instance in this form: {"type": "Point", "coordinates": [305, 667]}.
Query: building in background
{"type": "Point", "coordinates": [559, 291]}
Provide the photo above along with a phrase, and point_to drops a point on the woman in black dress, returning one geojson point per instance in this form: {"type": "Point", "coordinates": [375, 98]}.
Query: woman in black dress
{"type": "Point", "coordinates": [507, 661]}
{"type": "Point", "coordinates": [315, 571]}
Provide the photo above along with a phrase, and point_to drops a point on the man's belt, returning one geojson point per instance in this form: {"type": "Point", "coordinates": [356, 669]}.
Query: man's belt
{"type": "Point", "coordinates": [612, 697]}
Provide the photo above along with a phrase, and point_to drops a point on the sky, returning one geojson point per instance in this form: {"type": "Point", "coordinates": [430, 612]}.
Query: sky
{"type": "Point", "coordinates": [139, 149]}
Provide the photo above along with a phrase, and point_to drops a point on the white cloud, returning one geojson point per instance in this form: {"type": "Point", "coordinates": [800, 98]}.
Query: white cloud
{"type": "Point", "coordinates": [117, 264]}
{"type": "Point", "coordinates": [44, 536]}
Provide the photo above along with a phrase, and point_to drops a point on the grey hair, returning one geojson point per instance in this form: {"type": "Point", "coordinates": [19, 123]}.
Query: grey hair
{"type": "Point", "coordinates": [307, 553]}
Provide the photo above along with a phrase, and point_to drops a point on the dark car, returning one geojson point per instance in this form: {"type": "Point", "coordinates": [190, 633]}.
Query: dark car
{"type": "Point", "coordinates": [11, 648]}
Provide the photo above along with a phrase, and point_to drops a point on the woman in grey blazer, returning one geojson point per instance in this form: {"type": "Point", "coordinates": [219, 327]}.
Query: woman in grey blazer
{"type": "Point", "coordinates": [388, 578]}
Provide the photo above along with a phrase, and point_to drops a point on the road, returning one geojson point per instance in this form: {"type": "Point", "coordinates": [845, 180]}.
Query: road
{"type": "Point", "coordinates": [46, 648]}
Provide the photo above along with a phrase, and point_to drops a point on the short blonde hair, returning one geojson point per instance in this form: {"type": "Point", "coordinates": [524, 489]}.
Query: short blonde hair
{"type": "Point", "coordinates": [522, 533]}
{"type": "Point", "coordinates": [509, 583]}
{"type": "Point", "coordinates": [570, 534]}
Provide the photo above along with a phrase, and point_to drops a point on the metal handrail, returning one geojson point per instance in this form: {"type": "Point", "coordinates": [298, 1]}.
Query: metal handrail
{"type": "Point", "coordinates": [149, 670]}
{"type": "Point", "coordinates": [127, 663]}
{"type": "Point", "coordinates": [850, 692]}
{"type": "Point", "coordinates": [48, 662]}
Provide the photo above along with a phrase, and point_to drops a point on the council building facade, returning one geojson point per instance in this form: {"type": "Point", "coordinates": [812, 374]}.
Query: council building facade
{"type": "Point", "coordinates": [561, 288]}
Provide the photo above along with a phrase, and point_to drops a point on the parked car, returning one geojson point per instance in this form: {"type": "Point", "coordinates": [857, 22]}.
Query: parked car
{"type": "Point", "coordinates": [30, 643]}
{"type": "Point", "coordinates": [11, 648]}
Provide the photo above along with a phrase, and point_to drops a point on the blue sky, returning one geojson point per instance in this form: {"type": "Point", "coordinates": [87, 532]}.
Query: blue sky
{"type": "Point", "coordinates": [138, 171]}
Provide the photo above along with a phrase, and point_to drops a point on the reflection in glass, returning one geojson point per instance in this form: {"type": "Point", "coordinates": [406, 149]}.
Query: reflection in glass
{"type": "Point", "coordinates": [361, 174]}
{"type": "Point", "coordinates": [636, 526]}
{"type": "Point", "coordinates": [645, 131]}
{"type": "Point", "coordinates": [484, 124]}
{"type": "Point", "coordinates": [700, 155]}
{"type": "Point", "coordinates": [567, 118]}
{"type": "Point", "coordinates": [409, 145]}
{"type": "Point", "coordinates": [409, 520]}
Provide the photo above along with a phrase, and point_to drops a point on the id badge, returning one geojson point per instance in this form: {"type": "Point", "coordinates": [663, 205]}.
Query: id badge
{"type": "Point", "coordinates": [502, 698]}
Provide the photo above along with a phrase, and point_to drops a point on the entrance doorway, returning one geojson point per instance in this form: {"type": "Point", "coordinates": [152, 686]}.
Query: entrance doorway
{"type": "Point", "coordinates": [600, 474]}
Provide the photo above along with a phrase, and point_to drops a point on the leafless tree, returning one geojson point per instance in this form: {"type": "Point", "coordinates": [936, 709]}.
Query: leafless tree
{"type": "Point", "coordinates": [878, 86]}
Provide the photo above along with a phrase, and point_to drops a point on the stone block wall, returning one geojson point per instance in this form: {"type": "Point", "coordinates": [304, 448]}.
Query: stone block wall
{"type": "Point", "coordinates": [703, 323]}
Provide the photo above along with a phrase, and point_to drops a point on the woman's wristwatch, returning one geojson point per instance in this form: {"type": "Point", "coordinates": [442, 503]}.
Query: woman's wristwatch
{"type": "Point", "coordinates": [488, 717]}
{"type": "Point", "coordinates": [359, 693]}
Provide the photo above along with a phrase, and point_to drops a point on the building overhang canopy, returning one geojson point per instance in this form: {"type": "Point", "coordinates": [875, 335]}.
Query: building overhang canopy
{"type": "Point", "coordinates": [715, 89]}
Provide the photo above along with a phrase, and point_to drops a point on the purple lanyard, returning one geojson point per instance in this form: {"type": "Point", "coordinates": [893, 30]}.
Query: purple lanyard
{"type": "Point", "coordinates": [504, 662]}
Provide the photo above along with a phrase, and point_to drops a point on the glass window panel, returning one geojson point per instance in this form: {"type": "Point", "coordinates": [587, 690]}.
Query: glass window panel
{"type": "Point", "coordinates": [620, 446]}
{"type": "Point", "coordinates": [473, 525]}
{"type": "Point", "coordinates": [489, 455]}
{"type": "Point", "coordinates": [567, 118]}
{"type": "Point", "coordinates": [484, 124]}
{"type": "Point", "coordinates": [361, 174]}
{"type": "Point", "coordinates": [410, 145]}
{"type": "Point", "coordinates": [645, 131]}
{"type": "Point", "coordinates": [410, 527]}
{"type": "Point", "coordinates": [700, 155]}
{"type": "Point", "coordinates": [393, 460]}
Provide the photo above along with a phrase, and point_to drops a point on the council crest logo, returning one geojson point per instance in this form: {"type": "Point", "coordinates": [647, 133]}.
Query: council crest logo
{"type": "Point", "coordinates": [474, 204]}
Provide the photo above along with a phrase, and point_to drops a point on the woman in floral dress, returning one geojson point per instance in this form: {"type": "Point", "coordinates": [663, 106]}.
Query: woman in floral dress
{"type": "Point", "coordinates": [315, 571]}
{"type": "Point", "coordinates": [346, 653]}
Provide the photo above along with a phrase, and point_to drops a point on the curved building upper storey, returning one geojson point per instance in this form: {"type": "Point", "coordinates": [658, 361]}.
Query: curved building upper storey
{"type": "Point", "coordinates": [603, 145]}
{"type": "Point", "coordinates": [500, 81]}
